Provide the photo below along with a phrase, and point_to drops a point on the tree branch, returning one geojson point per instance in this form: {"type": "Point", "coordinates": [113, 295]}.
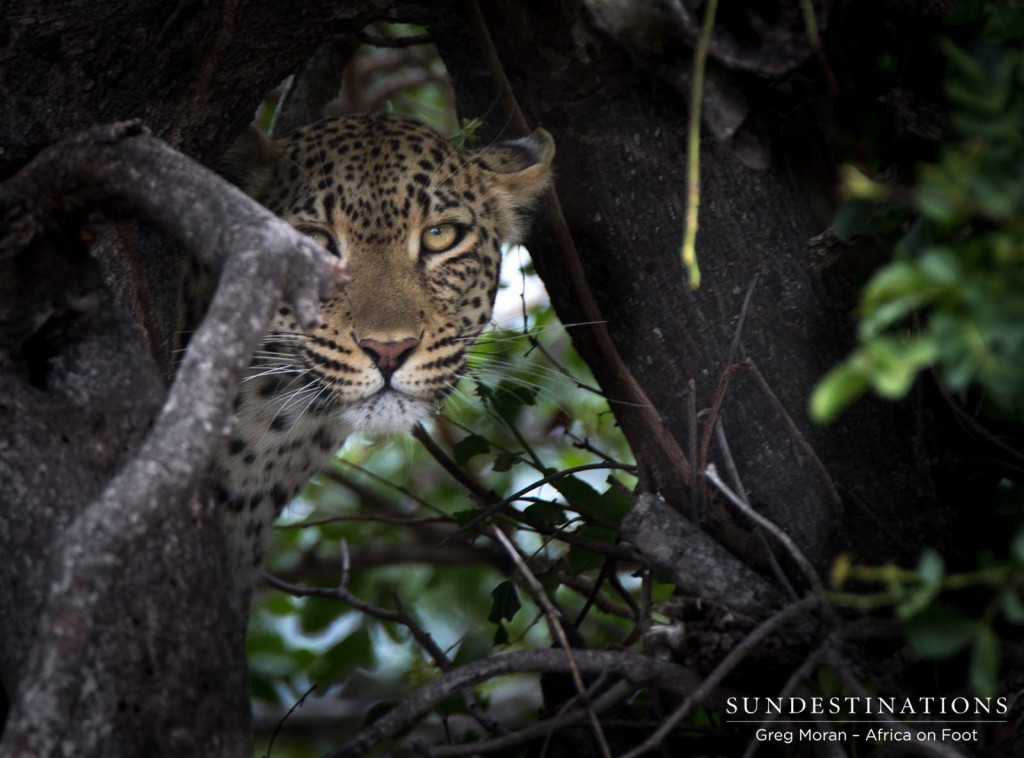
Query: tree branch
{"type": "Point", "coordinates": [722, 670]}
{"type": "Point", "coordinates": [694, 561]}
{"type": "Point", "coordinates": [637, 669]}
{"type": "Point", "coordinates": [121, 168]}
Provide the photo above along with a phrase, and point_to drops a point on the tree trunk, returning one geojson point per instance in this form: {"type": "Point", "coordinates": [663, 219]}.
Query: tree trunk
{"type": "Point", "coordinates": [152, 663]}
{"type": "Point", "coordinates": [85, 333]}
{"type": "Point", "coordinates": [621, 134]}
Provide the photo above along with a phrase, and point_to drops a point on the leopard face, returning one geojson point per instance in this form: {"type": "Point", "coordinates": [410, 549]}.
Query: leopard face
{"type": "Point", "coordinates": [420, 224]}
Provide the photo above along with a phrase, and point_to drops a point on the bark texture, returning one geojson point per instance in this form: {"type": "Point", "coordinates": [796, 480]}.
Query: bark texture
{"type": "Point", "coordinates": [114, 638]}
{"type": "Point", "coordinates": [620, 127]}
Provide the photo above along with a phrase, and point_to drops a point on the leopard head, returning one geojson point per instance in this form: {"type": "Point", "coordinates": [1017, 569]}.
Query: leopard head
{"type": "Point", "coordinates": [420, 224]}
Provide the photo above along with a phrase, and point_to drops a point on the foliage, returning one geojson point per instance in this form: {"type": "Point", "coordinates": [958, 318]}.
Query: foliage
{"type": "Point", "coordinates": [943, 613]}
{"type": "Point", "coordinates": [418, 539]}
{"type": "Point", "coordinates": [952, 297]}
{"type": "Point", "coordinates": [951, 300]}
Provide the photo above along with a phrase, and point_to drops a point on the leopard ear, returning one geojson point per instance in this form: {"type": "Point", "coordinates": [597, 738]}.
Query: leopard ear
{"type": "Point", "coordinates": [250, 162]}
{"type": "Point", "coordinates": [519, 171]}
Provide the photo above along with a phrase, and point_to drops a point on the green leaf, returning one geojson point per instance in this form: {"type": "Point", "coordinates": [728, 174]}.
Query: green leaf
{"type": "Point", "coordinates": [451, 706]}
{"type": "Point", "coordinates": [580, 495]}
{"type": "Point", "coordinates": [612, 506]}
{"type": "Point", "coordinates": [939, 265]}
{"type": "Point", "coordinates": [279, 605]}
{"type": "Point", "coordinates": [940, 631]}
{"type": "Point", "coordinates": [853, 218]}
{"type": "Point", "coordinates": [319, 613]}
{"type": "Point", "coordinates": [505, 602]}
{"type": "Point", "coordinates": [263, 689]}
{"type": "Point", "coordinates": [341, 659]}
{"type": "Point", "coordinates": [840, 387]}
{"type": "Point", "coordinates": [893, 282]}
{"type": "Point", "coordinates": [932, 571]}
{"type": "Point", "coordinates": [1013, 607]}
{"type": "Point", "coordinates": [581, 559]}
{"type": "Point", "coordinates": [468, 447]}
{"type": "Point", "coordinates": [474, 647]}
{"type": "Point", "coordinates": [1017, 546]}
{"type": "Point", "coordinates": [505, 461]}
{"type": "Point", "coordinates": [509, 399]}
{"type": "Point", "coordinates": [543, 515]}
{"type": "Point", "coordinates": [917, 601]}
{"type": "Point", "coordinates": [462, 518]}
{"type": "Point", "coordinates": [931, 568]}
{"type": "Point", "coordinates": [985, 662]}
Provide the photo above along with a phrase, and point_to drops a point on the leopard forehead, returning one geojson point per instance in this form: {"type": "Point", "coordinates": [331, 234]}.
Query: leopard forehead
{"type": "Point", "coordinates": [372, 188]}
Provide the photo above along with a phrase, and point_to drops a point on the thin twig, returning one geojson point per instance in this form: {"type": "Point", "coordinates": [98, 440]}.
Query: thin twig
{"type": "Point", "coordinates": [932, 748]}
{"type": "Point", "coordinates": [614, 695]}
{"type": "Point", "coordinates": [638, 669]}
{"type": "Point", "coordinates": [729, 461]}
{"type": "Point", "coordinates": [584, 443]}
{"type": "Point", "coordinates": [740, 490]}
{"type": "Point", "coordinates": [735, 346]}
{"type": "Point", "coordinates": [748, 365]}
{"type": "Point", "coordinates": [646, 425]}
{"type": "Point", "coordinates": [722, 670]}
{"type": "Point", "coordinates": [784, 539]}
{"type": "Point", "coordinates": [378, 518]}
{"type": "Point", "coordinates": [398, 616]}
{"type": "Point", "coordinates": [694, 510]}
{"type": "Point", "coordinates": [794, 430]}
{"type": "Point", "coordinates": [553, 616]}
{"type": "Point", "coordinates": [811, 23]}
{"type": "Point", "coordinates": [298, 704]}
{"type": "Point", "coordinates": [799, 675]}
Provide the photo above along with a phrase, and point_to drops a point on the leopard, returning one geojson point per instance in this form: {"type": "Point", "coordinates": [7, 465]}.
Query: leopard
{"type": "Point", "coordinates": [420, 222]}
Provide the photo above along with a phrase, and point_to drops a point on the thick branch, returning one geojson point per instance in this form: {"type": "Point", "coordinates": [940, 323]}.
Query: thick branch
{"type": "Point", "coordinates": [694, 561]}
{"type": "Point", "coordinates": [120, 167]}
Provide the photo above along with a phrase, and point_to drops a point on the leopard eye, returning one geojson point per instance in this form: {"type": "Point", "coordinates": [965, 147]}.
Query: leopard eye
{"type": "Point", "coordinates": [441, 237]}
{"type": "Point", "coordinates": [322, 238]}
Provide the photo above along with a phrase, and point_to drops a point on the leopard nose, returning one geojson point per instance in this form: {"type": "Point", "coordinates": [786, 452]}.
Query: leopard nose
{"type": "Point", "coordinates": [388, 356]}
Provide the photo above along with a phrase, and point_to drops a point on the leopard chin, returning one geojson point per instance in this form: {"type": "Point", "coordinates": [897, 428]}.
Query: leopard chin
{"type": "Point", "coordinates": [387, 412]}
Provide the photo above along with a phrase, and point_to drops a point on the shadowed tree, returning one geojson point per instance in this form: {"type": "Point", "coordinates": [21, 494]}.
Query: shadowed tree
{"type": "Point", "coordinates": [115, 637]}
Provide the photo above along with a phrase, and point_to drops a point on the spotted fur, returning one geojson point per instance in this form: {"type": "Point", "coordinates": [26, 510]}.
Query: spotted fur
{"type": "Point", "coordinates": [376, 190]}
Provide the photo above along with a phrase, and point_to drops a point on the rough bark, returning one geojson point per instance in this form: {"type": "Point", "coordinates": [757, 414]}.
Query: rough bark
{"type": "Point", "coordinates": [80, 676]}
{"type": "Point", "coordinates": [115, 636]}
{"type": "Point", "coordinates": [620, 128]}
{"type": "Point", "coordinates": [150, 663]}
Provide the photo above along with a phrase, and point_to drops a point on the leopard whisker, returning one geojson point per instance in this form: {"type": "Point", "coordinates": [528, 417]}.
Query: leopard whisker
{"type": "Point", "coordinates": [276, 371]}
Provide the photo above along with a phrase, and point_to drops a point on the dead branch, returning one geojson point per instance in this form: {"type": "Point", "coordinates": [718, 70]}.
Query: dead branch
{"type": "Point", "coordinates": [697, 564]}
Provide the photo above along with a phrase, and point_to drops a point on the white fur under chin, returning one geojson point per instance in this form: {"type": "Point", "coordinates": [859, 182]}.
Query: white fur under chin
{"type": "Point", "coordinates": [387, 413]}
